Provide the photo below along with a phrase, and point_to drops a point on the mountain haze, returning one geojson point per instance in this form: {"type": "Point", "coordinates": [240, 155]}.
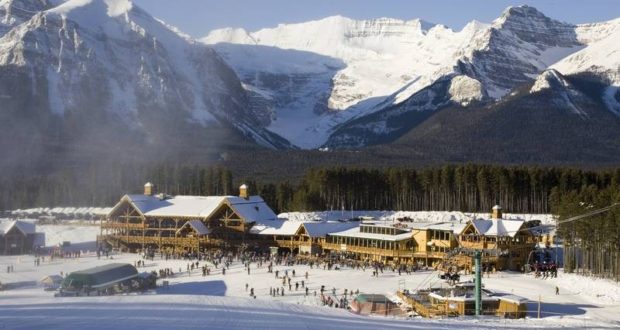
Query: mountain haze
{"type": "Point", "coordinates": [97, 75]}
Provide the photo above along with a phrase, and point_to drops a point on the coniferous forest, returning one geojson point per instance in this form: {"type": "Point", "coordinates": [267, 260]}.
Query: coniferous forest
{"type": "Point", "coordinates": [471, 188]}
{"type": "Point", "coordinates": [591, 244]}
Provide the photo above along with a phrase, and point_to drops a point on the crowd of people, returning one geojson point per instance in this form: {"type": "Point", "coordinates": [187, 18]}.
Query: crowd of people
{"type": "Point", "coordinates": [287, 281]}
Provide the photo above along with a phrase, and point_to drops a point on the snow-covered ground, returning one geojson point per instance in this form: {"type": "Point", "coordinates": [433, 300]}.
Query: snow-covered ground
{"type": "Point", "coordinates": [221, 301]}
{"type": "Point", "coordinates": [83, 236]}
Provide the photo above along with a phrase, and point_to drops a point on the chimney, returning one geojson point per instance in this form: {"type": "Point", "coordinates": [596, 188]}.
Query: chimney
{"type": "Point", "coordinates": [497, 212]}
{"type": "Point", "coordinates": [149, 189]}
{"type": "Point", "coordinates": [244, 191]}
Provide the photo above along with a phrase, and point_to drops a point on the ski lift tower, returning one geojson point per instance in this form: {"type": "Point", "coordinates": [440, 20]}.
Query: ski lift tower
{"type": "Point", "coordinates": [478, 282]}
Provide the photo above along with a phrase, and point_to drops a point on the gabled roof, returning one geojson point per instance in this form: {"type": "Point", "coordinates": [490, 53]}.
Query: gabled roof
{"type": "Point", "coordinates": [25, 227]}
{"type": "Point", "coordinates": [498, 227]}
{"type": "Point", "coordinates": [198, 226]}
{"type": "Point", "coordinates": [189, 206]}
{"type": "Point", "coordinates": [253, 209]}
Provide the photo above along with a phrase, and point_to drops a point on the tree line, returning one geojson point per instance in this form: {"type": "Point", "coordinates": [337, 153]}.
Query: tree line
{"type": "Point", "coordinates": [468, 188]}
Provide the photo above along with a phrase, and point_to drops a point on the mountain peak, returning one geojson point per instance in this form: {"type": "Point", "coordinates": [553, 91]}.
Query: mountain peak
{"type": "Point", "coordinates": [518, 12]}
{"type": "Point", "coordinates": [532, 26]}
{"type": "Point", "coordinates": [549, 79]}
{"type": "Point", "coordinates": [113, 8]}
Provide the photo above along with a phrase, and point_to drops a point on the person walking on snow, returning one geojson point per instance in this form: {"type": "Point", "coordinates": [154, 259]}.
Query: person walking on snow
{"type": "Point", "coordinates": [557, 290]}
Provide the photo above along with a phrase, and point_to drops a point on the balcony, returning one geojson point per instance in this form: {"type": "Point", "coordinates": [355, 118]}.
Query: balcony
{"type": "Point", "coordinates": [397, 253]}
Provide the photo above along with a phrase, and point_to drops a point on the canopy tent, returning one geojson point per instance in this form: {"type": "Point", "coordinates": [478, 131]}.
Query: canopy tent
{"type": "Point", "coordinates": [51, 281]}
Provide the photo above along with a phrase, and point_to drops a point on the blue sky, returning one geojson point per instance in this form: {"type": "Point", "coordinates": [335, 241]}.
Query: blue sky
{"type": "Point", "coordinates": [198, 17]}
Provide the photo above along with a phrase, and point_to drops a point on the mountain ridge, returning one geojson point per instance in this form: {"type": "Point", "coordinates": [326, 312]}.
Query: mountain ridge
{"type": "Point", "coordinates": [509, 52]}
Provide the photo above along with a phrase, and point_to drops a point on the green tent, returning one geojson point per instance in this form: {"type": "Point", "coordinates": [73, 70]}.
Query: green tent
{"type": "Point", "coordinates": [100, 277]}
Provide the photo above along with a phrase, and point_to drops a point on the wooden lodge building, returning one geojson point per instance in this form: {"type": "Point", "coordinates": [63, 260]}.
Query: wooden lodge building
{"type": "Point", "coordinates": [19, 237]}
{"type": "Point", "coordinates": [198, 223]}
{"type": "Point", "coordinates": [190, 223]}
{"type": "Point", "coordinates": [505, 244]}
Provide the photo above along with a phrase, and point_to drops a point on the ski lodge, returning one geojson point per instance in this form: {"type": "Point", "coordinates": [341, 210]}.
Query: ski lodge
{"type": "Point", "coordinates": [195, 224]}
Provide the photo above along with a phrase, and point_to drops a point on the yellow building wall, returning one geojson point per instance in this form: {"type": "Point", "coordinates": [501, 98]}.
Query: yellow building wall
{"type": "Point", "coordinates": [421, 239]}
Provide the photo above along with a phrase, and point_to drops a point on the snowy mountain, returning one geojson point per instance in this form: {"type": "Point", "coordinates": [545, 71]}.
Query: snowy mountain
{"type": "Point", "coordinates": [83, 73]}
{"type": "Point", "coordinates": [319, 74]}
{"type": "Point", "coordinates": [99, 78]}
{"type": "Point", "coordinates": [346, 83]}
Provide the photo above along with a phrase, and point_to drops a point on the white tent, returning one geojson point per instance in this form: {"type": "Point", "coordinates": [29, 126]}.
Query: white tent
{"type": "Point", "coordinates": [51, 282]}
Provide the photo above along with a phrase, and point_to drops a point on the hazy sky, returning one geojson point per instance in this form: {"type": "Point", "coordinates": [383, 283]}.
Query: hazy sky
{"type": "Point", "coordinates": [198, 17]}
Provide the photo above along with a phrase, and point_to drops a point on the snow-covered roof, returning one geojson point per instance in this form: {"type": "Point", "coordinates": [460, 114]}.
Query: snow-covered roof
{"type": "Point", "coordinates": [355, 232]}
{"type": "Point", "coordinates": [278, 227]}
{"type": "Point", "coordinates": [198, 226]}
{"type": "Point", "coordinates": [25, 227]}
{"type": "Point", "coordinates": [498, 227]}
{"type": "Point", "coordinates": [253, 209]}
{"type": "Point", "coordinates": [321, 229]}
{"type": "Point", "coordinates": [190, 206]}
{"type": "Point", "coordinates": [514, 299]}
{"type": "Point", "coordinates": [453, 226]}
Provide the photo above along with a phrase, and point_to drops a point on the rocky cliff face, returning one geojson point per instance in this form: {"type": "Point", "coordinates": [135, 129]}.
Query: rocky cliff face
{"type": "Point", "coordinates": [106, 68]}
{"type": "Point", "coordinates": [516, 47]}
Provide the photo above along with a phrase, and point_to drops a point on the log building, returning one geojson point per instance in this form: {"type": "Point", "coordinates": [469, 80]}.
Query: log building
{"type": "Point", "coordinates": [191, 223]}
{"type": "Point", "coordinates": [198, 223]}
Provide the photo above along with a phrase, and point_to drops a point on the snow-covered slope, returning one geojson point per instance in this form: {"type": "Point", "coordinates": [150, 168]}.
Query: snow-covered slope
{"type": "Point", "coordinates": [109, 58]}
{"type": "Point", "coordinates": [339, 64]}
{"type": "Point", "coordinates": [563, 93]}
{"type": "Point", "coordinates": [601, 58]}
{"type": "Point", "coordinates": [330, 72]}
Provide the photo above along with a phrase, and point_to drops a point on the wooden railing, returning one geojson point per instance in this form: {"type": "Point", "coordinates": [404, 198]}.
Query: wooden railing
{"type": "Point", "coordinates": [398, 253]}
{"type": "Point", "coordinates": [425, 310]}
{"type": "Point", "coordinates": [177, 241]}
{"type": "Point", "coordinates": [291, 244]}
{"type": "Point", "coordinates": [111, 225]}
